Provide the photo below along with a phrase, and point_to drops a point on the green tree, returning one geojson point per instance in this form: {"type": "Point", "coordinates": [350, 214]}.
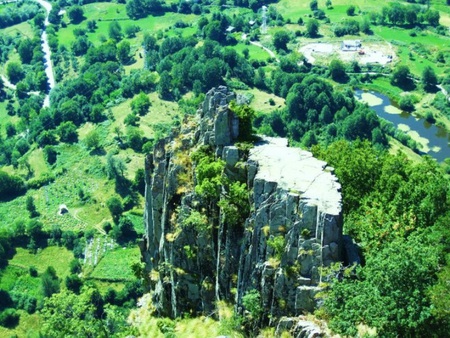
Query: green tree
{"type": "Point", "coordinates": [212, 73]}
{"type": "Point", "coordinates": [136, 9]}
{"type": "Point", "coordinates": [337, 70]}
{"type": "Point", "coordinates": [50, 154]}
{"type": "Point", "coordinates": [351, 10]}
{"type": "Point", "coordinates": [91, 25]}
{"type": "Point", "coordinates": [246, 115]}
{"type": "Point", "coordinates": [312, 28]}
{"type": "Point", "coordinates": [10, 185]}
{"type": "Point", "coordinates": [164, 86]}
{"type": "Point", "coordinates": [131, 30]}
{"type": "Point", "coordinates": [280, 40]}
{"type": "Point", "coordinates": [390, 292]}
{"type": "Point", "coordinates": [357, 166]}
{"type": "Point", "coordinates": [80, 46]}
{"type": "Point", "coordinates": [92, 140]}
{"type": "Point", "coordinates": [141, 104]}
{"type": "Point", "coordinates": [9, 318]}
{"type": "Point", "coordinates": [209, 177]}
{"type": "Point", "coordinates": [364, 25]}
{"type": "Point", "coordinates": [313, 5]}
{"type": "Point", "coordinates": [68, 132]}
{"type": "Point", "coordinates": [115, 207]}
{"type": "Point", "coordinates": [429, 79]}
{"type": "Point", "coordinates": [75, 14]}
{"type": "Point", "coordinates": [15, 72]}
{"type": "Point", "coordinates": [134, 138]}
{"type": "Point", "coordinates": [74, 283]}
{"type": "Point", "coordinates": [39, 20]}
{"type": "Point", "coordinates": [22, 89]}
{"type": "Point", "coordinates": [401, 76]}
{"type": "Point", "coordinates": [406, 103]}
{"type": "Point", "coordinates": [50, 282]}
{"type": "Point", "coordinates": [53, 16]}
{"type": "Point", "coordinates": [31, 207]}
{"type": "Point", "coordinates": [123, 51]}
{"type": "Point", "coordinates": [411, 15]}
{"type": "Point", "coordinates": [433, 17]}
{"type": "Point", "coordinates": [115, 31]}
{"type": "Point", "coordinates": [252, 303]}
{"type": "Point", "coordinates": [25, 50]}
{"type": "Point", "coordinates": [33, 229]}
{"type": "Point", "coordinates": [69, 315]}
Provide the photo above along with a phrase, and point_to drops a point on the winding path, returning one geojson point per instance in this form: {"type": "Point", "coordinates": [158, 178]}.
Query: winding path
{"type": "Point", "coordinates": [259, 44]}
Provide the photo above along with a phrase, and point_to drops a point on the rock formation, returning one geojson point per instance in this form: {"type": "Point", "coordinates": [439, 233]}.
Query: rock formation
{"type": "Point", "coordinates": [196, 257]}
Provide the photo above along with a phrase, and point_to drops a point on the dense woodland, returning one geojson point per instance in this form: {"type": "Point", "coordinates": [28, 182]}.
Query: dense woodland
{"type": "Point", "coordinates": [396, 209]}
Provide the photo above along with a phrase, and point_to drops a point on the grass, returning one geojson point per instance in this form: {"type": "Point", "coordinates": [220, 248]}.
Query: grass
{"type": "Point", "coordinates": [116, 265]}
{"type": "Point", "coordinates": [186, 328]}
{"type": "Point", "coordinates": [9, 276]}
{"type": "Point", "coordinates": [58, 257]}
{"type": "Point", "coordinates": [160, 112]}
{"type": "Point", "coordinates": [383, 85]}
{"type": "Point", "coordinates": [75, 170]}
{"type": "Point", "coordinates": [255, 52]}
{"type": "Point", "coordinates": [260, 101]}
{"type": "Point", "coordinates": [23, 28]}
{"type": "Point", "coordinates": [396, 147]}
{"type": "Point", "coordinates": [37, 162]}
{"type": "Point", "coordinates": [103, 12]}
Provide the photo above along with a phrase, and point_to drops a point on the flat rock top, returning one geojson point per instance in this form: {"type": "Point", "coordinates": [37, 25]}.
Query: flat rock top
{"type": "Point", "coordinates": [296, 170]}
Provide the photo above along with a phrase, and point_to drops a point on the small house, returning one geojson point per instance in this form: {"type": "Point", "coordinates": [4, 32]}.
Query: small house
{"type": "Point", "coordinates": [230, 29]}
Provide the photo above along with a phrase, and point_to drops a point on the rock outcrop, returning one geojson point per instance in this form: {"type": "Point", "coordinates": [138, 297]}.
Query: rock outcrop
{"type": "Point", "coordinates": [195, 257]}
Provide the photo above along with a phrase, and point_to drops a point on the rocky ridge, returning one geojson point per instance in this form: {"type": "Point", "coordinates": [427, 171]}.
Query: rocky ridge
{"type": "Point", "coordinates": [293, 228]}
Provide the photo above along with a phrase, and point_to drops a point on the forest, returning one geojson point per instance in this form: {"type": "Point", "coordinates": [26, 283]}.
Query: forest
{"type": "Point", "coordinates": [72, 182]}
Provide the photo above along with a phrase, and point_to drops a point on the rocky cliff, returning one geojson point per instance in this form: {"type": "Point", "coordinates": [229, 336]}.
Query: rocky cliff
{"type": "Point", "coordinates": [196, 255]}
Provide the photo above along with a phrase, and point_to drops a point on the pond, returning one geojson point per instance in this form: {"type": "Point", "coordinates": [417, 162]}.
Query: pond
{"type": "Point", "coordinates": [433, 139]}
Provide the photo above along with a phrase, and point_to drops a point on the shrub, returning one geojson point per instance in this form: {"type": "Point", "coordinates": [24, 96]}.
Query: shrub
{"type": "Point", "coordinates": [10, 185]}
{"type": "Point", "coordinates": [44, 179]}
{"type": "Point", "coordinates": [115, 207]}
{"type": "Point", "coordinates": [33, 271]}
{"type": "Point", "coordinates": [351, 10]}
{"type": "Point", "coordinates": [9, 318]}
{"type": "Point", "coordinates": [406, 103]}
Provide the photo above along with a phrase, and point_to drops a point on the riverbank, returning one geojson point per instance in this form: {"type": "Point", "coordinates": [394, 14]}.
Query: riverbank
{"type": "Point", "coordinates": [431, 139]}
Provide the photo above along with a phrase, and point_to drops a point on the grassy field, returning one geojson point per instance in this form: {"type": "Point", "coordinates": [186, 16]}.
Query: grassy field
{"type": "Point", "coordinates": [104, 12]}
{"type": "Point", "coordinates": [186, 328]}
{"type": "Point", "coordinates": [74, 163]}
{"type": "Point", "coordinates": [260, 101]}
{"type": "Point", "coordinates": [116, 265]}
{"type": "Point", "coordinates": [58, 257]}
{"type": "Point", "coordinates": [23, 28]}
{"type": "Point", "coordinates": [16, 278]}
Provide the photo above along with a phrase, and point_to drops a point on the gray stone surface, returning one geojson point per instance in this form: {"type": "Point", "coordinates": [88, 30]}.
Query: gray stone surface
{"type": "Point", "coordinates": [299, 327]}
{"type": "Point", "coordinates": [296, 170]}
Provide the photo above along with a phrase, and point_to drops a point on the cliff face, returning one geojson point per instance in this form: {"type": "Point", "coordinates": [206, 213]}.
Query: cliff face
{"type": "Point", "coordinates": [196, 257]}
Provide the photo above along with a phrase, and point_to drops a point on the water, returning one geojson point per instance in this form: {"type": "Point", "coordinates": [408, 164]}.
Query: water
{"type": "Point", "coordinates": [434, 139]}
